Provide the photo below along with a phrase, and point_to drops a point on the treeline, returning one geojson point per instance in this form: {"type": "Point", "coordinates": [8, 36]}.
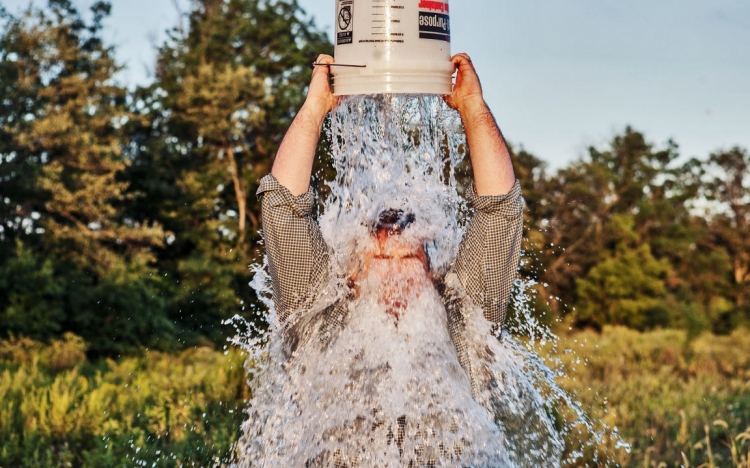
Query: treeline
{"type": "Point", "coordinates": [128, 216]}
{"type": "Point", "coordinates": [629, 235]}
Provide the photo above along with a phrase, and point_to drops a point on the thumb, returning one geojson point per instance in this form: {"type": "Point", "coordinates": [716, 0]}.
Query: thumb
{"type": "Point", "coordinates": [448, 99]}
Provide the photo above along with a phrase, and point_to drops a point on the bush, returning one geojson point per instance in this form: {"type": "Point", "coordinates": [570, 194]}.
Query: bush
{"type": "Point", "coordinates": [678, 402]}
{"type": "Point", "coordinates": [165, 410]}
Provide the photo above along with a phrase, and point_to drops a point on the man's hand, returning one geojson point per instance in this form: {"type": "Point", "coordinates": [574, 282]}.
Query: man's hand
{"type": "Point", "coordinates": [294, 160]}
{"type": "Point", "coordinates": [467, 92]}
{"type": "Point", "coordinates": [490, 158]}
{"type": "Point", "coordinates": [320, 98]}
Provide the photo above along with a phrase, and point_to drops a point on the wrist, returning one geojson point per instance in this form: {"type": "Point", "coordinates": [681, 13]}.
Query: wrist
{"type": "Point", "coordinates": [315, 108]}
{"type": "Point", "coordinates": [473, 107]}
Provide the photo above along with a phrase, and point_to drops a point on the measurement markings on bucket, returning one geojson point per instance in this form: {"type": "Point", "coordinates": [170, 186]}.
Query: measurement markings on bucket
{"type": "Point", "coordinates": [378, 18]}
{"type": "Point", "coordinates": [345, 22]}
{"type": "Point", "coordinates": [385, 22]}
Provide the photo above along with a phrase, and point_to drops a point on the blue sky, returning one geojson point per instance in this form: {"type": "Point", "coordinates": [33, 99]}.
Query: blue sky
{"type": "Point", "coordinates": [562, 75]}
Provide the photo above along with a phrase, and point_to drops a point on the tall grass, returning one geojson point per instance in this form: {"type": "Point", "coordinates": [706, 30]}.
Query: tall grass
{"type": "Point", "coordinates": [678, 403]}
{"type": "Point", "coordinates": [57, 410]}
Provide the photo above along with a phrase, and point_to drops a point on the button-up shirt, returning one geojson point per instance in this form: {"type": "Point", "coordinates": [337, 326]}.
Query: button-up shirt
{"type": "Point", "coordinates": [482, 274]}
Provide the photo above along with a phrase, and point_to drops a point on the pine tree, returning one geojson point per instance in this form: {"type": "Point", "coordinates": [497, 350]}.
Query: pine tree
{"type": "Point", "coordinates": [227, 88]}
{"type": "Point", "coordinates": [65, 166]}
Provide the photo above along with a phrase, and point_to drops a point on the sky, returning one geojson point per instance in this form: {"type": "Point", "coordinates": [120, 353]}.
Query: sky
{"type": "Point", "coordinates": [560, 76]}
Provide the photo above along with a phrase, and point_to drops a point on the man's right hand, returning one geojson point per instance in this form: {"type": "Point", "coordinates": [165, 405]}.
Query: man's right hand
{"type": "Point", "coordinates": [320, 98]}
{"type": "Point", "coordinates": [294, 160]}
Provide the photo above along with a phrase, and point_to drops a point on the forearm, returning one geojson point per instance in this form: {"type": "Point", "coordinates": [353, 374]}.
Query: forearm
{"type": "Point", "coordinates": [294, 160]}
{"type": "Point", "coordinates": [490, 158]}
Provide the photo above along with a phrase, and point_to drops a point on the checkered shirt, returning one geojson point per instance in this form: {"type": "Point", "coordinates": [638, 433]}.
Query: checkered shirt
{"type": "Point", "coordinates": [482, 274]}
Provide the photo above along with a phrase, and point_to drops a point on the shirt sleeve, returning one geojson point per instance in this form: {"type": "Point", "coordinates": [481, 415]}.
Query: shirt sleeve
{"type": "Point", "coordinates": [488, 256]}
{"type": "Point", "coordinates": [298, 256]}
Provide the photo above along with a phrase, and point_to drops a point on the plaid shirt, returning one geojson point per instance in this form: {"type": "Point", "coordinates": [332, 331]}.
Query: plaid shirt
{"type": "Point", "coordinates": [483, 273]}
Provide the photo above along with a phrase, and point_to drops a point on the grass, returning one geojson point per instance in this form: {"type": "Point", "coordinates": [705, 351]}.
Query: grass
{"type": "Point", "coordinates": [58, 410]}
{"type": "Point", "coordinates": [678, 403]}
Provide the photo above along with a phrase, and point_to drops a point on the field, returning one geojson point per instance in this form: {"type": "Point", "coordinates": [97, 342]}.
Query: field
{"type": "Point", "coordinates": [677, 402]}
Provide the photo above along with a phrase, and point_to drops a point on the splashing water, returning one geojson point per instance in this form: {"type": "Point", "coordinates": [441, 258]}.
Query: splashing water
{"type": "Point", "coordinates": [389, 389]}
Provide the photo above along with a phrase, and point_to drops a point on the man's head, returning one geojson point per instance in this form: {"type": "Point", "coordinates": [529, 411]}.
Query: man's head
{"type": "Point", "coordinates": [388, 231]}
{"type": "Point", "coordinates": [397, 267]}
{"type": "Point", "coordinates": [394, 221]}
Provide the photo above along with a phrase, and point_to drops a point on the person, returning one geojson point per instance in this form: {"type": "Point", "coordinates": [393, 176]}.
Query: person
{"type": "Point", "coordinates": [396, 267]}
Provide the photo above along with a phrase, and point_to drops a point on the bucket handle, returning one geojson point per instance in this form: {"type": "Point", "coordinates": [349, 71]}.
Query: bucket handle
{"type": "Point", "coordinates": [315, 64]}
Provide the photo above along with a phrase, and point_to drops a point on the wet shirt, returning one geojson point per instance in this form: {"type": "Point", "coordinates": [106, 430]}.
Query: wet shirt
{"type": "Point", "coordinates": [483, 272]}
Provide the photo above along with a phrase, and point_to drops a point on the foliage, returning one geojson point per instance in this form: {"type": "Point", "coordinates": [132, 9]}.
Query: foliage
{"type": "Point", "coordinates": [114, 219]}
{"type": "Point", "coordinates": [72, 259]}
{"type": "Point", "coordinates": [618, 237]}
{"type": "Point", "coordinates": [57, 409]}
{"type": "Point", "coordinates": [677, 402]}
{"type": "Point", "coordinates": [128, 217]}
{"type": "Point", "coordinates": [225, 93]}
{"type": "Point", "coordinates": [628, 289]}
{"type": "Point", "coordinates": [726, 177]}
{"type": "Point", "coordinates": [667, 396]}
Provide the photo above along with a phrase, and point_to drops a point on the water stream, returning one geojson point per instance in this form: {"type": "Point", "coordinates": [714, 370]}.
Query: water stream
{"type": "Point", "coordinates": [388, 389]}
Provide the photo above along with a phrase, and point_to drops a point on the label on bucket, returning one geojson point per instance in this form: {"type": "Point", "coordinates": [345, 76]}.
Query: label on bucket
{"type": "Point", "coordinates": [433, 5]}
{"type": "Point", "coordinates": [345, 22]}
{"type": "Point", "coordinates": [434, 25]}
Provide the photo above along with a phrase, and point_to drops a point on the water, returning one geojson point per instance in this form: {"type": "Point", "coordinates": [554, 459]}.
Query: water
{"type": "Point", "coordinates": [388, 389]}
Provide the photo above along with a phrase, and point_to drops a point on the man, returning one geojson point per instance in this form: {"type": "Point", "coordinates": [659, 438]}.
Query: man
{"type": "Point", "coordinates": [395, 269]}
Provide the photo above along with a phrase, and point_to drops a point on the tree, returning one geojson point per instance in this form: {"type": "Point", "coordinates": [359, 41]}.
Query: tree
{"type": "Point", "coordinates": [726, 185]}
{"type": "Point", "coordinates": [62, 161]}
{"type": "Point", "coordinates": [628, 288]}
{"type": "Point", "coordinates": [227, 89]}
{"type": "Point", "coordinates": [630, 179]}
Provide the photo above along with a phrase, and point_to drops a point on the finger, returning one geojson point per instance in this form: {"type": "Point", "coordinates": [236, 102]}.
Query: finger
{"type": "Point", "coordinates": [462, 61]}
{"type": "Point", "coordinates": [321, 62]}
{"type": "Point", "coordinates": [455, 65]}
{"type": "Point", "coordinates": [460, 57]}
{"type": "Point", "coordinates": [321, 69]}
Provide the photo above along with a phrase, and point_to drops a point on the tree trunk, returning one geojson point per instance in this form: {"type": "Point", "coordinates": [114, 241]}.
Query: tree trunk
{"type": "Point", "coordinates": [239, 193]}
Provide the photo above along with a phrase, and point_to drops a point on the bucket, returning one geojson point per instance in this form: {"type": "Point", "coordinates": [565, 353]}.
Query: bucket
{"type": "Point", "coordinates": [399, 46]}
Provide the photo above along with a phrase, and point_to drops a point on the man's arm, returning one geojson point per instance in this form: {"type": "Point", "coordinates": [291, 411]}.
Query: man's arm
{"type": "Point", "coordinates": [294, 160]}
{"type": "Point", "coordinates": [488, 256]}
{"type": "Point", "coordinates": [490, 158]}
{"type": "Point", "coordinates": [298, 257]}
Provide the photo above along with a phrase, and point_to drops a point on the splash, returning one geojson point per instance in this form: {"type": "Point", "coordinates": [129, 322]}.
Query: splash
{"type": "Point", "coordinates": [388, 389]}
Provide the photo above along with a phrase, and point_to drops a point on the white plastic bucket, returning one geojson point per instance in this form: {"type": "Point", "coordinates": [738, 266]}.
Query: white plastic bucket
{"type": "Point", "coordinates": [404, 45]}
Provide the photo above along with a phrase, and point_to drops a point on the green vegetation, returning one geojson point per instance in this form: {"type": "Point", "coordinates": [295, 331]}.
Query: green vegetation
{"type": "Point", "coordinates": [57, 409]}
{"type": "Point", "coordinates": [128, 217]}
{"type": "Point", "coordinates": [667, 397]}
{"type": "Point", "coordinates": [626, 236]}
